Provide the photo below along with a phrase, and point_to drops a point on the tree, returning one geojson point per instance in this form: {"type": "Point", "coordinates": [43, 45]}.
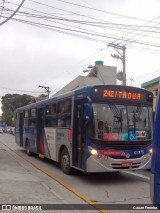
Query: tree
{"type": "Point", "coordinates": [41, 97]}
{"type": "Point", "coordinates": [10, 102]}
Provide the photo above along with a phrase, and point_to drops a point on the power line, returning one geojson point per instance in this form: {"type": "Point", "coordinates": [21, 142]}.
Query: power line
{"type": "Point", "coordinates": [92, 33]}
{"type": "Point", "coordinates": [74, 32]}
{"type": "Point", "coordinates": [95, 24]}
{"type": "Point", "coordinates": [148, 32]}
{"type": "Point", "coordinates": [7, 19]}
{"type": "Point", "coordinates": [140, 27]}
{"type": "Point", "coordinates": [84, 22]}
{"type": "Point", "coordinates": [18, 90]}
{"type": "Point", "coordinates": [81, 14]}
{"type": "Point", "coordinates": [67, 25]}
{"type": "Point", "coordinates": [2, 7]}
{"type": "Point", "coordinates": [155, 51]}
{"type": "Point", "coordinates": [144, 78]}
{"type": "Point", "coordinates": [104, 22]}
{"type": "Point", "coordinates": [103, 11]}
{"type": "Point", "coordinates": [151, 73]}
{"type": "Point", "coordinates": [62, 28]}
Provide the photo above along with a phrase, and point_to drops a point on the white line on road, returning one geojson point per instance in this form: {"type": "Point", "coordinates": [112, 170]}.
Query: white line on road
{"type": "Point", "coordinates": [137, 175]}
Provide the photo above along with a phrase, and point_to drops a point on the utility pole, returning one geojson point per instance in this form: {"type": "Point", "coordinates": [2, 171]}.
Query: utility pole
{"type": "Point", "coordinates": [47, 89]}
{"type": "Point", "coordinates": [122, 56]}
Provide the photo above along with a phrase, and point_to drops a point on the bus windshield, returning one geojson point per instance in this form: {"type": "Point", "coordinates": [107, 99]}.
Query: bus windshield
{"type": "Point", "coordinates": [121, 122]}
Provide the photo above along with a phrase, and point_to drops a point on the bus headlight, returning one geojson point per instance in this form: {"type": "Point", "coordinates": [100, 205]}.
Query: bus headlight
{"type": "Point", "coordinates": [150, 151]}
{"type": "Point", "coordinates": [93, 151]}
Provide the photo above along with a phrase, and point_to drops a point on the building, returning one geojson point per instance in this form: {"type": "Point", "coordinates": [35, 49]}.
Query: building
{"type": "Point", "coordinates": [99, 74]}
{"type": "Point", "coordinates": [152, 86]}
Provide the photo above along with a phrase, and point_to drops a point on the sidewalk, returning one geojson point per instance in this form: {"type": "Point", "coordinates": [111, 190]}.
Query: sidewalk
{"type": "Point", "coordinates": [21, 183]}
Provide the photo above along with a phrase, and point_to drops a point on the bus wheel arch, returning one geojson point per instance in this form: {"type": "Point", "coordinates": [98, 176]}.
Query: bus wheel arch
{"type": "Point", "coordinates": [65, 160]}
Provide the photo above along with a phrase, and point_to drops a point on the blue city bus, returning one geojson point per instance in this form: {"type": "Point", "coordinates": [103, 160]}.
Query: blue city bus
{"type": "Point", "coordinates": [155, 163]}
{"type": "Point", "coordinates": [99, 128]}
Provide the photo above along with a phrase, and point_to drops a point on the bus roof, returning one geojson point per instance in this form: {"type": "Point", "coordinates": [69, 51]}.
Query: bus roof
{"type": "Point", "coordinates": [78, 91]}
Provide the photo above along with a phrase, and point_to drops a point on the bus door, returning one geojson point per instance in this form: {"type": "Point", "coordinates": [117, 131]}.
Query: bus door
{"type": "Point", "coordinates": [21, 125]}
{"type": "Point", "coordinates": [40, 131]}
{"type": "Point", "coordinates": [79, 135]}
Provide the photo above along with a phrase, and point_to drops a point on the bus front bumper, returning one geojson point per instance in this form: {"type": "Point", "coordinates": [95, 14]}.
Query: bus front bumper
{"type": "Point", "coordinates": [108, 164]}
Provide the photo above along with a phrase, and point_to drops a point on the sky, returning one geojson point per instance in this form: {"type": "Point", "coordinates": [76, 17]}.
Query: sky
{"type": "Point", "coordinates": [51, 42]}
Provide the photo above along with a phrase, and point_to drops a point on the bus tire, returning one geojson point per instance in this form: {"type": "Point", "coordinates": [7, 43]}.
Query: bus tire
{"type": "Point", "coordinates": [65, 161]}
{"type": "Point", "coordinates": [28, 148]}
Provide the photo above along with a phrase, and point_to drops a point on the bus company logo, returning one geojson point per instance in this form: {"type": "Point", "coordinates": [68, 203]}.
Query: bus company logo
{"type": "Point", "coordinates": [127, 155]}
{"type": "Point", "coordinates": [123, 154]}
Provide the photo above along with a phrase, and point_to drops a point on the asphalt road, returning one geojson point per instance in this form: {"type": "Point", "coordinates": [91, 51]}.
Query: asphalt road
{"type": "Point", "coordinates": [105, 188]}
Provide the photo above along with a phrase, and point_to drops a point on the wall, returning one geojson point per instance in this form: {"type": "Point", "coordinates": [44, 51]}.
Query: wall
{"type": "Point", "coordinates": [99, 74]}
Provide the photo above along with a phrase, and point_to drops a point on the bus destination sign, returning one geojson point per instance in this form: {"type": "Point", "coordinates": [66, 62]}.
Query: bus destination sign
{"type": "Point", "coordinates": [122, 94]}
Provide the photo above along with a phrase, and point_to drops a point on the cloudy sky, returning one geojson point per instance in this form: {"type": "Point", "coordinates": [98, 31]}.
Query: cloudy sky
{"type": "Point", "coordinates": [51, 42]}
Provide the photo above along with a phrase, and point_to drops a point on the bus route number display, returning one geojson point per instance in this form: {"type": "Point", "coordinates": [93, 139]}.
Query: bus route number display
{"type": "Point", "coordinates": [122, 94]}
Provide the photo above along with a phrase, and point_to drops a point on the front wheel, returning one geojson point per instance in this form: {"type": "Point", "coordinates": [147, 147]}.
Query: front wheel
{"type": "Point", "coordinates": [65, 162]}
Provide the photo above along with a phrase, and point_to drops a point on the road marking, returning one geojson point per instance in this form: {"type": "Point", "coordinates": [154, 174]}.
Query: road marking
{"type": "Point", "coordinates": [137, 175]}
{"type": "Point", "coordinates": [67, 186]}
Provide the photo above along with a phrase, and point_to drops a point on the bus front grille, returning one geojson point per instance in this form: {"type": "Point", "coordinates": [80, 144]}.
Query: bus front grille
{"type": "Point", "coordinates": [119, 166]}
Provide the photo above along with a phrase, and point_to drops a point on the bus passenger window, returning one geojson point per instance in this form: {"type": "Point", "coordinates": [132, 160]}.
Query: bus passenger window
{"type": "Point", "coordinates": [64, 113]}
{"type": "Point", "coordinates": [68, 122]}
{"type": "Point", "coordinates": [50, 115]}
{"type": "Point", "coordinates": [61, 123]}
{"type": "Point", "coordinates": [26, 115]}
{"type": "Point", "coordinates": [32, 118]}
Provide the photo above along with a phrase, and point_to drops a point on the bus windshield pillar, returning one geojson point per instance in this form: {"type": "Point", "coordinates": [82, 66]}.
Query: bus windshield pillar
{"type": "Point", "coordinates": [155, 165]}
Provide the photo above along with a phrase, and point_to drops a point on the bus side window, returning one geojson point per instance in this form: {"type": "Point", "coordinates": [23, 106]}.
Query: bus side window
{"type": "Point", "coordinates": [61, 122]}
{"type": "Point", "coordinates": [50, 115]}
{"type": "Point", "coordinates": [64, 113]}
{"type": "Point", "coordinates": [26, 115]}
{"type": "Point", "coordinates": [32, 118]}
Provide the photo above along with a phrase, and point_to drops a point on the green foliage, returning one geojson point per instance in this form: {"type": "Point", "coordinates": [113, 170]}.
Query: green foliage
{"type": "Point", "coordinates": [10, 102]}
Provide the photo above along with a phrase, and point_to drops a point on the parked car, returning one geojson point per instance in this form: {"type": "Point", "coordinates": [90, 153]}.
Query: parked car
{"type": "Point", "coordinates": [8, 129]}
{"type": "Point", "coordinates": [13, 130]}
{"type": "Point", "coordinates": [1, 129]}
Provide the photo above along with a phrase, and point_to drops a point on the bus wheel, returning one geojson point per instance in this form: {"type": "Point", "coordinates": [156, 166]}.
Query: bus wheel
{"type": "Point", "coordinates": [65, 162]}
{"type": "Point", "coordinates": [28, 148]}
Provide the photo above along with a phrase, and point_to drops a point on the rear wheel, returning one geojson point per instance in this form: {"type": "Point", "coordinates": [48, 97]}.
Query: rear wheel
{"type": "Point", "coordinates": [65, 162]}
{"type": "Point", "coordinates": [28, 148]}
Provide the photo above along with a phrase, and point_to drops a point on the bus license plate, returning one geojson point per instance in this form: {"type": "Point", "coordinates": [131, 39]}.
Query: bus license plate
{"type": "Point", "coordinates": [126, 164]}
